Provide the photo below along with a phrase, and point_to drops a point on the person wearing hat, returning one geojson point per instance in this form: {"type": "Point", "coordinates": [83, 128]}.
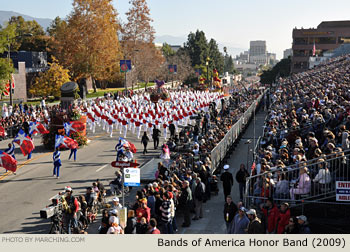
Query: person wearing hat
{"type": "Point", "coordinates": [116, 204]}
{"type": "Point", "coordinates": [227, 181]}
{"type": "Point", "coordinates": [240, 222]}
{"type": "Point", "coordinates": [114, 228]}
{"type": "Point", "coordinates": [143, 211]}
{"type": "Point", "coordinates": [116, 184]}
{"type": "Point", "coordinates": [71, 208]}
{"type": "Point", "coordinates": [303, 225]}
{"type": "Point", "coordinates": [283, 217]}
{"type": "Point", "coordinates": [230, 210]}
{"type": "Point", "coordinates": [255, 226]}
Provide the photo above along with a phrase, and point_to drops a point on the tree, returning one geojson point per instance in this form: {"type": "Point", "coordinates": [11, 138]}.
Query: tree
{"type": "Point", "coordinates": [55, 26]}
{"type": "Point", "coordinates": [7, 37]}
{"type": "Point", "coordinates": [229, 65]}
{"type": "Point", "coordinates": [137, 36]}
{"type": "Point", "coordinates": [167, 50]}
{"type": "Point", "coordinates": [138, 28]}
{"type": "Point", "coordinates": [150, 62]}
{"type": "Point", "coordinates": [30, 36]}
{"type": "Point", "coordinates": [217, 59]}
{"type": "Point", "coordinates": [88, 45]}
{"type": "Point", "coordinates": [197, 47]}
{"type": "Point", "coordinates": [49, 83]}
{"type": "Point", "coordinates": [281, 69]}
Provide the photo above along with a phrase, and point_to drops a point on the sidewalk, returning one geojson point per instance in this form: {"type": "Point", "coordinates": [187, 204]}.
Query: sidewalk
{"type": "Point", "coordinates": [213, 220]}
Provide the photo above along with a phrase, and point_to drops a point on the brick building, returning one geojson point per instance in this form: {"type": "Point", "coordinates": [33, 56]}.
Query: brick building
{"type": "Point", "coordinates": [327, 36]}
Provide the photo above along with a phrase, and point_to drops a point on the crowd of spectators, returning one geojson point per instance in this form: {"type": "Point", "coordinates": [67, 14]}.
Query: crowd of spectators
{"type": "Point", "coordinates": [183, 185]}
{"type": "Point", "coordinates": [304, 148]}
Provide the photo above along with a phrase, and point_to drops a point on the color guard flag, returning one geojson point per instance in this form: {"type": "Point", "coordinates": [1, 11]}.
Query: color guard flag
{"type": "Point", "coordinates": [25, 142]}
{"type": "Point", "coordinates": [65, 142]}
{"type": "Point", "coordinates": [8, 162]}
{"type": "Point", "coordinates": [75, 126]}
{"type": "Point", "coordinates": [123, 143]}
{"type": "Point", "coordinates": [37, 127]}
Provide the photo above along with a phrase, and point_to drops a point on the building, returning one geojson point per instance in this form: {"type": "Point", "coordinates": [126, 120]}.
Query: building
{"type": "Point", "coordinates": [258, 53]}
{"type": "Point", "coordinates": [243, 57]}
{"type": "Point", "coordinates": [257, 48]}
{"type": "Point", "coordinates": [327, 36]}
{"type": "Point", "coordinates": [271, 59]}
{"type": "Point", "coordinates": [287, 53]}
{"type": "Point", "coordinates": [175, 48]}
{"type": "Point", "coordinates": [258, 59]}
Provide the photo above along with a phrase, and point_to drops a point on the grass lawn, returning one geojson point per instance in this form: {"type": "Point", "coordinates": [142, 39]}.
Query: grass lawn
{"type": "Point", "coordinates": [91, 94]}
{"type": "Point", "coordinates": [100, 92]}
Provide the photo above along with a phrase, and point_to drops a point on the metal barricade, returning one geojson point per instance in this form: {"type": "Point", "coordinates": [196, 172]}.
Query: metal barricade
{"type": "Point", "coordinates": [219, 152]}
{"type": "Point", "coordinates": [282, 184]}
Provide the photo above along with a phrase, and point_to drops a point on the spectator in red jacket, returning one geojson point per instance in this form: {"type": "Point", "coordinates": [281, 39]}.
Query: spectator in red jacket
{"type": "Point", "coordinates": [271, 213]}
{"type": "Point", "coordinates": [283, 218]}
{"type": "Point", "coordinates": [143, 211]}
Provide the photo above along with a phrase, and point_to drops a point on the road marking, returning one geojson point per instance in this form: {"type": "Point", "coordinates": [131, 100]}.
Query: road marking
{"type": "Point", "coordinates": [102, 167]}
{"type": "Point", "coordinates": [45, 154]}
{"type": "Point", "coordinates": [24, 163]}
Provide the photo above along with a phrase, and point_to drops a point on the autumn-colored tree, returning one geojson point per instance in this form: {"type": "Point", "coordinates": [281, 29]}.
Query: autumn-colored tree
{"type": "Point", "coordinates": [138, 36]}
{"type": "Point", "coordinates": [88, 45]}
{"type": "Point", "coordinates": [150, 60]}
{"type": "Point", "coordinates": [49, 83]}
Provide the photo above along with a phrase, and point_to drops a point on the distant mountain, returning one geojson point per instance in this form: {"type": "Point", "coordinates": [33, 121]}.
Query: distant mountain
{"type": "Point", "coordinates": [180, 40]}
{"type": "Point", "coordinates": [6, 15]}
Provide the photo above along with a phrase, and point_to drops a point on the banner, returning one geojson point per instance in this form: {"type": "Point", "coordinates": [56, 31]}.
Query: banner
{"type": "Point", "coordinates": [125, 66]}
{"type": "Point", "coordinates": [342, 190]}
{"type": "Point", "coordinates": [173, 69]}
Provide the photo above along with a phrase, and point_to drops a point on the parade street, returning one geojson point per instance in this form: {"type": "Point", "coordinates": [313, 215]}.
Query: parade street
{"type": "Point", "coordinates": [24, 194]}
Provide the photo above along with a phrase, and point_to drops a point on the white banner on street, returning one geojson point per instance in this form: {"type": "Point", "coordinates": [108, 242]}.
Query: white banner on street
{"type": "Point", "coordinates": [132, 176]}
{"type": "Point", "coordinates": [342, 190]}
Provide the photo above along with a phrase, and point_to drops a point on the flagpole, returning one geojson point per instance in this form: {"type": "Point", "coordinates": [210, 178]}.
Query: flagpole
{"type": "Point", "coordinates": [126, 89]}
{"type": "Point", "coordinates": [123, 186]}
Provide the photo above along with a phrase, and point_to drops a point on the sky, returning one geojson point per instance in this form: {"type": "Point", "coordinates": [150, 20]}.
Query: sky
{"type": "Point", "coordinates": [231, 22]}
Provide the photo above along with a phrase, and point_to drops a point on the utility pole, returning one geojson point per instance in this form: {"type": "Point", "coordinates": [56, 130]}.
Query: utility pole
{"type": "Point", "coordinates": [9, 58]}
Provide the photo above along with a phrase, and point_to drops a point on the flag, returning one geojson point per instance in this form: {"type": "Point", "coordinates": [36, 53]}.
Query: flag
{"type": "Point", "coordinates": [65, 142]}
{"type": "Point", "coordinates": [172, 69]}
{"type": "Point", "coordinates": [37, 127]}
{"type": "Point", "coordinates": [25, 142]}
{"type": "Point", "coordinates": [314, 49]}
{"type": "Point", "coordinates": [8, 162]}
{"type": "Point", "coordinates": [123, 143]}
{"type": "Point", "coordinates": [75, 126]}
{"type": "Point", "coordinates": [125, 66]}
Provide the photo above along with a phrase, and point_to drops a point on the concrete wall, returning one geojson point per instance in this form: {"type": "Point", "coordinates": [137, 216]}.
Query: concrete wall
{"type": "Point", "coordinates": [20, 91]}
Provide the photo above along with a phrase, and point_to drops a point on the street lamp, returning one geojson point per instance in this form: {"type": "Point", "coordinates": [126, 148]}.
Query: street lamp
{"type": "Point", "coordinates": [9, 58]}
{"type": "Point", "coordinates": [207, 64]}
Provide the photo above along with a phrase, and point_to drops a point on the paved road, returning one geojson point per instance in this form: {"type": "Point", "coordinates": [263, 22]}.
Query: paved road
{"type": "Point", "coordinates": [24, 194]}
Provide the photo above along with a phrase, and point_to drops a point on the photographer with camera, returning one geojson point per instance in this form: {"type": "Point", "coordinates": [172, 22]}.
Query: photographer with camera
{"type": "Point", "coordinates": [70, 209]}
